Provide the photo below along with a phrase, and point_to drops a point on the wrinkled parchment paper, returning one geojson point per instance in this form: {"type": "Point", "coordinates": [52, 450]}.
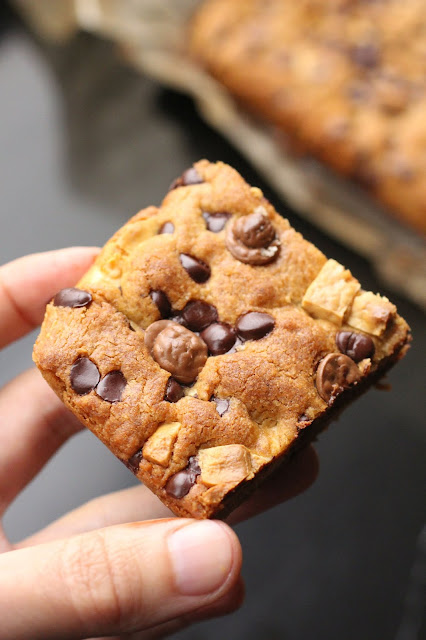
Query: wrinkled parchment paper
{"type": "Point", "coordinates": [151, 36]}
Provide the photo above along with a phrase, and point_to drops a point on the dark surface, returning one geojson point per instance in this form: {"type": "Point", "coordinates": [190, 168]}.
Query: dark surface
{"type": "Point", "coordinates": [84, 144]}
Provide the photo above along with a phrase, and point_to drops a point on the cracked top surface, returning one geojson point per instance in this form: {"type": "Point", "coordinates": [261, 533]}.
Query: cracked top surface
{"type": "Point", "coordinates": [256, 334]}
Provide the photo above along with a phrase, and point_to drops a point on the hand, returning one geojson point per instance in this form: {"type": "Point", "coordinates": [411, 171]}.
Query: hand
{"type": "Point", "coordinates": [89, 573]}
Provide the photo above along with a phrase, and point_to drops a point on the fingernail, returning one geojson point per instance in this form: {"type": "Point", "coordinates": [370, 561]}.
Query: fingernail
{"type": "Point", "coordinates": [201, 555]}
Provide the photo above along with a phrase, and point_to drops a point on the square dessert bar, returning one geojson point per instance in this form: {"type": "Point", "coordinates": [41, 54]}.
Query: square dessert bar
{"type": "Point", "coordinates": [209, 340]}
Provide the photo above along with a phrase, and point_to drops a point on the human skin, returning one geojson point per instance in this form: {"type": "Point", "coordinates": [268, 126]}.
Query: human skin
{"type": "Point", "coordinates": [119, 566]}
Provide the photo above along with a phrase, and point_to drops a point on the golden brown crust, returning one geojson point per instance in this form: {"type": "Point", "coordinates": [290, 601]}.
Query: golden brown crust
{"type": "Point", "coordinates": [345, 80]}
{"type": "Point", "coordinates": [247, 407]}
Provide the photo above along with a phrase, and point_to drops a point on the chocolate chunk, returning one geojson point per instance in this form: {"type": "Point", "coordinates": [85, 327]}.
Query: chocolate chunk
{"type": "Point", "coordinates": [252, 238]}
{"type": "Point", "coordinates": [197, 315]}
{"type": "Point", "coordinates": [365, 55]}
{"type": "Point", "coordinates": [174, 391]}
{"type": "Point", "coordinates": [84, 376]}
{"type": "Point", "coordinates": [336, 372]}
{"type": "Point", "coordinates": [111, 386]}
{"type": "Point", "coordinates": [167, 227]}
{"type": "Point", "coordinates": [72, 297]}
{"type": "Point", "coordinates": [222, 404]}
{"type": "Point", "coordinates": [179, 351]}
{"type": "Point", "coordinates": [355, 345]}
{"type": "Point", "coordinates": [219, 337]}
{"type": "Point", "coordinates": [254, 325]}
{"type": "Point", "coordinates": [134, 462]}
{"type": "Point", "coordinates": [153, 330]}
{"type": "Point", "coordinates": [180, 484]}
{"type": "Point", "coordinates": [189, 177]}
{"type": "Point", "coordinates": [196, 269]}
{"type": "Point", "coordinates": [162, 302]}
{"type": "Point", "coordinates": [216, 221]}
{"type": "Point", "coordinates": [254, 230]}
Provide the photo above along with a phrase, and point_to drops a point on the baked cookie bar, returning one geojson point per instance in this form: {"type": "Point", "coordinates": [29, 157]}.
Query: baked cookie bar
{"type": "Point", "coordinates": [209, 340]}
{"type": "Point", "coordinates": [344, 79]}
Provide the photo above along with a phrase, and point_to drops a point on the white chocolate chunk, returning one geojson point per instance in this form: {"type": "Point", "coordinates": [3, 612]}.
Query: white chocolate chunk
{"type": "Point", "coordinates": [371, 313]}
{"type": "Point", "coordinates": [228, 464]}
{"type": "Point", "coordinates": [331, 293]}
{"type": "Point", "coordinates": [191, 391]}
{"type": "Point", "coordinates": [158, 448]}
{"type": "Point", "coordinates": [215, 494]}
{"type": "Point", "coordinates": [257, 462]}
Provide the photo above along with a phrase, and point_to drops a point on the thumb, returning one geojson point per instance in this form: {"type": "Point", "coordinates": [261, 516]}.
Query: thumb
{"type": "Point", "coordinates": [116, 580]}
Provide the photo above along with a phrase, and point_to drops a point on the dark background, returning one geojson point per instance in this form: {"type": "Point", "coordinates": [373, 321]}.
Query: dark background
{"type": "Point", "coordinates": [85, 142]}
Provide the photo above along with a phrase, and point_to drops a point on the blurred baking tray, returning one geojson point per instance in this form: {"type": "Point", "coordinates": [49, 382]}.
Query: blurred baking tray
{"type": "Point", "coordinates": [151, 37]}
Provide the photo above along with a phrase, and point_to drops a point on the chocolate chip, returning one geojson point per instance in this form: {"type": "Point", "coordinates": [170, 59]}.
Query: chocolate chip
{"type": "Point", "coordinates": [216, 221]}
{"type": "Point", "coordinates": [72, 297]}
{"type": "Point", "coordinates": [189, 177]}
{"type": "Point", "coordinates": [336, 372]}
{"type": "Point", "coordinates": [174, 391]}
{"type": "Point", "coordinates": [222, 404]}
{"type": "Point", "coordinates": [219, 337]}
{"type": "Point", "coordinates": [180, 484]}
{"type": "Point", "coordinates": [196, 269]}
{"type": "Point", "coordinates": [255, 230]}
{"type": "Point", "coordinates": [134, 462]}
{"type": "Point", "coordinates": [365, 55]}
{"type": "Point", "coordinates": [177, 350]}
{"type": "Point", "coordinates": [355, 345]}
{"type": "Point", "coordinates": [84, 376]}
{"type": "Point", "coordinates": [177, 317]}
{"type": "Point", "coordinates": [252, 238]}
{"type": "Point", "coordinates": [197, 315]}
{"type": "Point", "coordinates": [111, 386]}
{"type": "Point", "coordinates": [254, 325]}
{"type": "Point", "coordinates": [167, 227]}
{"type": "Point", "coordinates": [162, 302]}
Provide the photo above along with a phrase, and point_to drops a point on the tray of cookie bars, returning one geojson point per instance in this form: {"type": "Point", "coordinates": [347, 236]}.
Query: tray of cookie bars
{"type": "Point", "coordinates": [326, 99]}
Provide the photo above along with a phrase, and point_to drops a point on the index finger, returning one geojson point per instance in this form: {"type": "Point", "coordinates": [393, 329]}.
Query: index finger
{"type": "Point", "coordinates": [27, 284]}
